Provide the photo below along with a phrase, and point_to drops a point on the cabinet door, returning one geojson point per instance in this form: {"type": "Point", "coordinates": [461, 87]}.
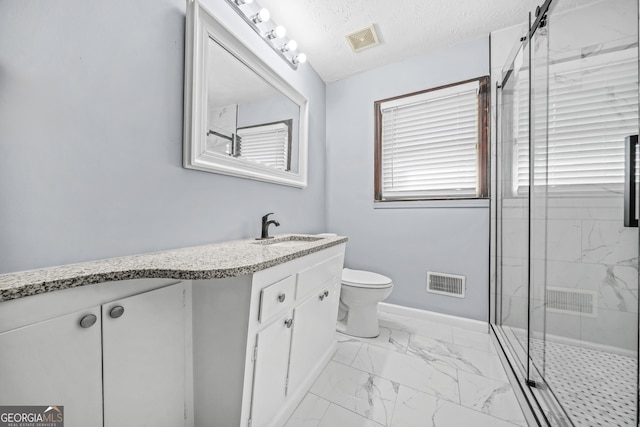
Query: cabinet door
{"type": "Point", "coordinates": [55, 362]}
{"type": "Point", "coordinates": [144, 359]}
{"type": "Point", "coordinates": [313, 333]}
{"type": "Point", "coordinates": [270, 370]}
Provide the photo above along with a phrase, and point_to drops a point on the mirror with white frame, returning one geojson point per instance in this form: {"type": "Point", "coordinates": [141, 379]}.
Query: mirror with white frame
{"type": "Point", "coordinates": [241, 117]}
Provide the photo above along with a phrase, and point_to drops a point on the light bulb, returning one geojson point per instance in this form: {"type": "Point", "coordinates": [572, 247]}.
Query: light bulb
{"type": "Point", "coordinates": [290, 45]}
{"type": "Point", "coordinates": [300, 58]}
{"type": "Point", "coordinates": [279, 31]}
{"type": "Point", "coordinates": [262, 16]}
{"type": "Point", "coordinates": [241, 2]}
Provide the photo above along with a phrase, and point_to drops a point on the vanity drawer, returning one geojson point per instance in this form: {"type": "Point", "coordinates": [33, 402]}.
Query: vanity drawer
{"type": "Point", "coordinates": [319, 275]}
{"type": "Point", "coordinates": [276, 297]}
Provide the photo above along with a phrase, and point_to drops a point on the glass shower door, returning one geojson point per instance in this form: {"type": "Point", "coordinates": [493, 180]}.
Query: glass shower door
{"type": "Point", "coordinates": [512, 205]}
{"type": "Point", "coordinates": [567, 267]}
{"type": "Point", "coordinates": [539, 241]}
{"type": "Point", "coordinates": [583, 274]}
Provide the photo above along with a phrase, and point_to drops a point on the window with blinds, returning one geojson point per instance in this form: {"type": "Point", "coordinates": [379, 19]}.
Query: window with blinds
{"type": "Point", "coordinates": [433, 144]}
{"type": "Point", "coordinates": [592, 106]}
{"type": "Point", "coordinates": [268, 144]}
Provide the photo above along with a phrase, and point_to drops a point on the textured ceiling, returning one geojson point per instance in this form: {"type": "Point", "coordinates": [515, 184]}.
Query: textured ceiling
{"type": "Point", "coordinates": [406, 27]}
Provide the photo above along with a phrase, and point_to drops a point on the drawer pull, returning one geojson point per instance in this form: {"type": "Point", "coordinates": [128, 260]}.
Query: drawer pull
{"type": "Point", "coordinates": [88, 321]}
{"type": "Point", "coordinates": [324, 295]}
{"type": "Point", "coordinates": [282, 297]}
{"type": "Point", "coordinates": [288, 322]}
{"type": "Point", "coordinates": [116, 311]}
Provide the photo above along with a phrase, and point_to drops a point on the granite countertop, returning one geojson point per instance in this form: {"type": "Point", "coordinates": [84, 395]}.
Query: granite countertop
{"type": "Point", "coordinates": [214, 261]}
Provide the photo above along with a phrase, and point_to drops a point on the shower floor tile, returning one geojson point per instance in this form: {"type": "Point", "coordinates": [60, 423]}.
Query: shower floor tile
{"type": "Point", "coordinates": [595, 388]}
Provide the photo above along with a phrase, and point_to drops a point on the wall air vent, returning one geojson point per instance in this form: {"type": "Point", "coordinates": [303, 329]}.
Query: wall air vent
{"type": "Point", "coordinates": [363, 38]}
{"type": "Point", "coordinates": [572, 301]}
{"type": "Point", "coordinates": [446, 284]}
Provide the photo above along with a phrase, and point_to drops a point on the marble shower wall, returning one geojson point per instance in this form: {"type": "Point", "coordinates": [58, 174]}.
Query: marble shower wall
{"type": "Point", "coordinates": [585, 247]}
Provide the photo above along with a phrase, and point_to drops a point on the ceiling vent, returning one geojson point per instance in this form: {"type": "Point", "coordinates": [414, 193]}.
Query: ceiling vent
{"type": "Point", "coordinates": [363, 38]}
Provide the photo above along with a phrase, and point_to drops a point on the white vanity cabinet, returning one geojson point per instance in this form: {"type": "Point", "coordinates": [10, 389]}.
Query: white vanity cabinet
{"type": "Point", "coordinates": [124, 358]}
{"type": "Point", "coordinates": [291, 351]}
{"type": "Point", "coordinates": [271, 365]}
{"type": "Point", "coordinates": [311, 337]}
{"type": "Point", "coordinates": [261, 340]}
{"type": "Point", "coordinates": [143, 359]}
{"type": "Point", "coordinates": [55, 362]}
{"type": "Point", "coordinates": [288, 349]}
{"type": "Point", "coordinates": [220, 335]}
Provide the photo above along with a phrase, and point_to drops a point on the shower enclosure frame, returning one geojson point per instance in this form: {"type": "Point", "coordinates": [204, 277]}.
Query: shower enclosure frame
{"type": "Point", "coordinates": [543, 405]}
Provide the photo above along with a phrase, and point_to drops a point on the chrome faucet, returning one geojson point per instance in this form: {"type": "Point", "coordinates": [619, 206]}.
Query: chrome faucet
{"type": "Point", "coordinates": [266, 224]}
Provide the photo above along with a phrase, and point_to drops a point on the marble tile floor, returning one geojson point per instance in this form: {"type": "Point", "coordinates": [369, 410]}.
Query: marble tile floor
{"type": "Point", "coordinates": [417, 373]}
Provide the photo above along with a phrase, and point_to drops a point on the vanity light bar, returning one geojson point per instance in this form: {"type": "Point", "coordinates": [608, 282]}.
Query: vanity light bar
{"type": "Point", "coordinates": [258, 18]}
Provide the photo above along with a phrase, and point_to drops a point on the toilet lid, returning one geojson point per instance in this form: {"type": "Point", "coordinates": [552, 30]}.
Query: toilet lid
{"type": "Point", "coordinates": [364, 279]}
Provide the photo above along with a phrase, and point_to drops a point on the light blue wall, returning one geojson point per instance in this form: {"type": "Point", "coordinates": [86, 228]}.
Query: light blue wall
{"type": "Point", "coordinates": [91, 111]}
{"type": "Point", "coordinates": [404, 243]}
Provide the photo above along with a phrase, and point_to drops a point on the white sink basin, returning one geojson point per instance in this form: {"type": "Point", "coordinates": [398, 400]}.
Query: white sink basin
{"type": "Point", "coordinates": [288, 241]}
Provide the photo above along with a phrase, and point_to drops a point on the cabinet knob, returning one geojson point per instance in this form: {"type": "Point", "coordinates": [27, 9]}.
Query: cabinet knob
{"type": "Point", "coordinates": [88, 321]}
{"type": "Point", "coordinates": [326, 293]}
{"type": "Point", "coordinates": [116, 311]}
{"type": "Point", "coordinates": [288, 322]}
{"type": "Point", "coordinates": [281, 297]}
{"type": "Point", "coordinates": [321, 297]}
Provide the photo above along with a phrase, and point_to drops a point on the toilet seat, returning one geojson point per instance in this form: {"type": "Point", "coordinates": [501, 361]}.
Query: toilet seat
{"type": "Point", "coordinates": [364, 279]}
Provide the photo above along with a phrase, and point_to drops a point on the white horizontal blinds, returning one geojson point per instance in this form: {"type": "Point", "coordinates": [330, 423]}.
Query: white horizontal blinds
{"type": "Point", "coordinates": [592, 107]}
{"type": "Point", "coordinates": [429, 144]}
{"type": "Point", "coordinates": [521, 132]}
{"type": "Point", "coordinates": [267, 145]}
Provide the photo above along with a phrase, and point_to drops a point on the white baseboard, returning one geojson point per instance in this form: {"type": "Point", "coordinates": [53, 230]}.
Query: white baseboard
{"type": "Point", "coordinates": [432, 316]}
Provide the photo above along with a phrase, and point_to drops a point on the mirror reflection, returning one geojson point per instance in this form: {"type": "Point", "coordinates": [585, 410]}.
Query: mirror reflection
{"type": "Point", "coordinates": [247, 118]}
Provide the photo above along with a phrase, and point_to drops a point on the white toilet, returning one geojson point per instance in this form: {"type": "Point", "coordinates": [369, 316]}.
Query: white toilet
{"type": "Point", "coordinates": [360, 294]}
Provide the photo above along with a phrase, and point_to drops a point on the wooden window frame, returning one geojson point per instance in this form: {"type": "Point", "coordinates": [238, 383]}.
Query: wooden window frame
{"type": "Point", "coordinates": [484, 97]}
